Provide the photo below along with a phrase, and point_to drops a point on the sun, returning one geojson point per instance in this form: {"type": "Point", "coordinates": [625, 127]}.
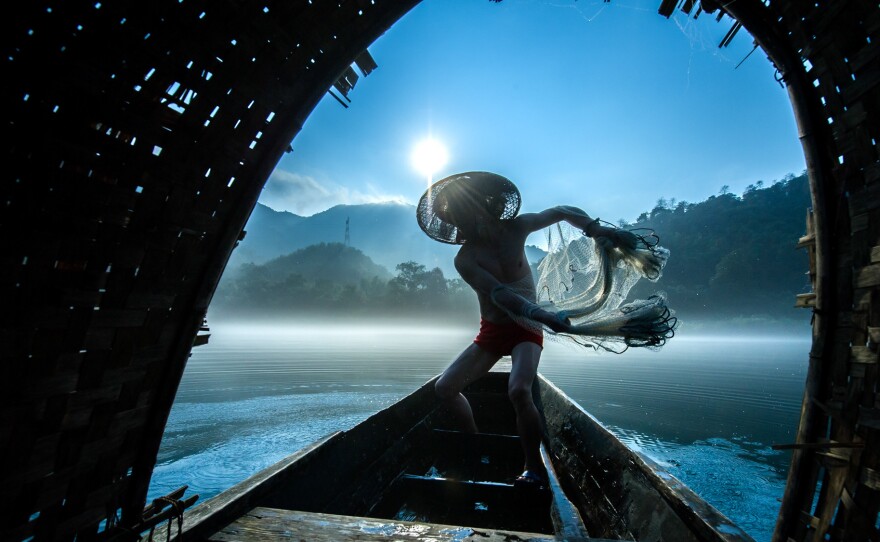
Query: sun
{"type": "Point", "coordinates": [429, 156]}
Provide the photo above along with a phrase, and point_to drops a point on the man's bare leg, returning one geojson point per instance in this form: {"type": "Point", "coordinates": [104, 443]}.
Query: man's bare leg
{"type": "Point", "coordinates": [470, 365]}
{"type": "Point", "coordinates": [525, 359]}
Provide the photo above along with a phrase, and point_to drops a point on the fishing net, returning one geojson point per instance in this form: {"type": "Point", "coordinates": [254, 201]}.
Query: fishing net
{"type": "Point", "coordinates": [587, 281]}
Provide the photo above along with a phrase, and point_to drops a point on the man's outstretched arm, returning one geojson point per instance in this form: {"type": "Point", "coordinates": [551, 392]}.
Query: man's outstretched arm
{"type": "Point", "coordinates": [579, 219]}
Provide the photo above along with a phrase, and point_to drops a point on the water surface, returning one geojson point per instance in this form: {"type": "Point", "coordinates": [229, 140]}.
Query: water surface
{"type": "Point", "coordinates": [706, 408]}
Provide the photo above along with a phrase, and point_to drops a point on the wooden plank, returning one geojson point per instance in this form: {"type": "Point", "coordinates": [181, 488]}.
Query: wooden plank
{"type": "Point", "coordinates": [482, 456]}
{"type": "Point", "coordinates": [567, 522]}
{"type": "Point", "coordinates": [847, 500]}
{"type": "Point", "coordinates": [817, 445]}
{"type": "Point", "coordinates": [832, 409]}
{"type": "Point", "coordinates": [833, 460]}
{"type": "Point", "coordinates": [201, 339]}
{"type": "Point", "coordinates": [870, 478]}
{"type": "Point", "coordinates": [447, 485]}
{"type": "Point", "coordinates": [867, 276]}
{"type": "Point", "coordinates": [867, 199]}
{"type": "Point", "coordinates": [273, 524]}
{"type": "Point", "coordinates": [489, 505]}
{"type": "Point", "coordinates": [831, 492]}
{"type": "Point", "coordinates": [365, 489]}
{"type": "Point", "coordinates": [365, 62]}
{"type": "Point", "coordinates": [805, 301]}
{"type": "Point", "coordinates": [808, 519]}
{"type": "Point", "coordinates": [667, 7]}
{"type": "Point", "coordinates": [859, 222]}
{"type": "Point", "coordinates": [808, 240]}
{"type": "Point", "coordinates": [863, 354]}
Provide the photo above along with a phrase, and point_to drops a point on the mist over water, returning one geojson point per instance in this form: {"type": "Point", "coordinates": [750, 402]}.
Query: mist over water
{"type": "Point", "coordinates": [248, 360]}
{"type": "Point", "coordinates": [706, 408]}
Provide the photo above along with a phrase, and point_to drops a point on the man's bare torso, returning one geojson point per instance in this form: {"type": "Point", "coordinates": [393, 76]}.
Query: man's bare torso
{"type": "Point", "coordinates": [499, 250]}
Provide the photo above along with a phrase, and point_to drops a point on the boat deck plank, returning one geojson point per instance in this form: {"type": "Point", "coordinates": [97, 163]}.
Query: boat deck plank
{"type": "Point", "coordinates": [264, 524]}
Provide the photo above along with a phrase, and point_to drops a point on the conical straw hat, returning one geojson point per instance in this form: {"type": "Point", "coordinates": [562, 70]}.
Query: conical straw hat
{"type": "Point", "coordinates": [497, 194]}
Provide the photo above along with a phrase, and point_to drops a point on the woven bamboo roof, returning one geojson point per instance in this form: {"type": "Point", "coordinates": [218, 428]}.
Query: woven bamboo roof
{"type": "Point", "coordinates": [139, 136]}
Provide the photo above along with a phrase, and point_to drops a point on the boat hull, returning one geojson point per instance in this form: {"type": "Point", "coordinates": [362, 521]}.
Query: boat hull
{"type": "Point", "coordinates": [390, 464]}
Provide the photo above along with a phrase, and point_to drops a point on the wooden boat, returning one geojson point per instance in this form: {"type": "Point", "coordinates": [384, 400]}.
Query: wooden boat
{"type": "Point", "coordinates": [405, 474]}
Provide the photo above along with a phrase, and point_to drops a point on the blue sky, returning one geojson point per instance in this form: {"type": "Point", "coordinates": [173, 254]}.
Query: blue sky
{"type": "Point", "coordinates": [607, 106]}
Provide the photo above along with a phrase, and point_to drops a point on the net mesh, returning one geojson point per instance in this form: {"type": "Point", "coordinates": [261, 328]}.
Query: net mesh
{"type": "Point", "coordinates": [588, 280]}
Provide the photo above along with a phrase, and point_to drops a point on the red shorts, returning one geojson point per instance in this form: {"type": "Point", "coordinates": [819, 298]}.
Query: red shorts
{"type": "Point", "coordinates": [500, 339]}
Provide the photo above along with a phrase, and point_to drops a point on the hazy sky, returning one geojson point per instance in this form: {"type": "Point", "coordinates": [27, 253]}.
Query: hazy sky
{"type": "Point", "coordinates": [607, 106]}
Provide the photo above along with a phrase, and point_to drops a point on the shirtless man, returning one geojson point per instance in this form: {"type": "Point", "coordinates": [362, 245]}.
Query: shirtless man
{"type": "Point", "coordinates": [476, 209]}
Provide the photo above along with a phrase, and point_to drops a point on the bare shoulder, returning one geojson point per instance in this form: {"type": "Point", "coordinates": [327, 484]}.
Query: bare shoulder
{"type": "Point", "coordinates": [465, 257]}
{"type": "Point", "coordinates": [467, 264]}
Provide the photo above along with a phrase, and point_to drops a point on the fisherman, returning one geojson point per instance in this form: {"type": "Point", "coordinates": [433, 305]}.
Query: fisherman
{"type": "Point", "coordinates": [479, 211]}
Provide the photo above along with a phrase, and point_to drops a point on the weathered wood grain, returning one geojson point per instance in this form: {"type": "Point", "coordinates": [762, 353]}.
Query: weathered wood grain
{"type": "Point", "coordinates": [271, 524]}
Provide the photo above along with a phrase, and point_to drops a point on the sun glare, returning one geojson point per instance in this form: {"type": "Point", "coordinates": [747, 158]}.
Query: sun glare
{"type": "Point", "coordinates": [428, 156]}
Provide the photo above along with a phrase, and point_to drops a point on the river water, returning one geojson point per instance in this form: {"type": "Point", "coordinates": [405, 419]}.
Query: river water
{"type": "Point", "coordinates": [706, 408]}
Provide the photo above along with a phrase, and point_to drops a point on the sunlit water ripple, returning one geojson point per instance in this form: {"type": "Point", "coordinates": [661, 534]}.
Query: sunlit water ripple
{"type": "Point", "coordinates": [706, 409]}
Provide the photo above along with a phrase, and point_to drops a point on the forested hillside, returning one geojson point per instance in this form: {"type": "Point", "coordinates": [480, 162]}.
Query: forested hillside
{"type": "Point", "coordinates": [734, 257]}
{"type": "Point", "coordinates": [733, 262]}
{"type": "Point", "coordinates": [334, 279]}
{"type": "Point", "coordinates": [387, 232]}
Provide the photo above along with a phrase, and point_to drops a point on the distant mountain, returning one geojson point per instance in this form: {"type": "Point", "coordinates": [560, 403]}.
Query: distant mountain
{"type": "Point", "coordinates": [333, 262]}
{"type": "Point", "coordinates": [386, 232]}
{"type": "Point", "coordinates": [267, 236]}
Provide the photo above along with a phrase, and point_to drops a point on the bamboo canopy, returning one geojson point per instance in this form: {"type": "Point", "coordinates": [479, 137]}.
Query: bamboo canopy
{"type": "Point", "coordinates": [139, 136]}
